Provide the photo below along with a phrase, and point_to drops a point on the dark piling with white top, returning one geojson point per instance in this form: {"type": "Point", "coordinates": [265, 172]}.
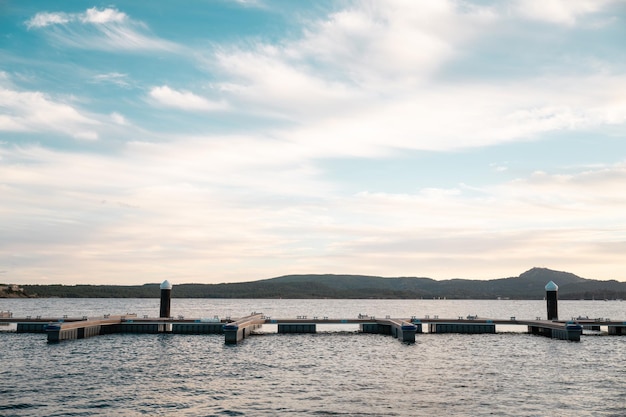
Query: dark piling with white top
{"type": "Point", "coordinates": [552, 300]}
{"type": "Point", "coordinates": [166, 298]}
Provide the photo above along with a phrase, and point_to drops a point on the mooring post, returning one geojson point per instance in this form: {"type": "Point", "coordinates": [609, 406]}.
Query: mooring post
{"type": "Point", "coordinates": [552, 300]}
{"type": "Point", "coordinates": [166, 298]}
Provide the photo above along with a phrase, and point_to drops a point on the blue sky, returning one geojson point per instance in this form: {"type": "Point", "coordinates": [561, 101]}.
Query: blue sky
{"type": "Point", "coordinates": [223, 141]}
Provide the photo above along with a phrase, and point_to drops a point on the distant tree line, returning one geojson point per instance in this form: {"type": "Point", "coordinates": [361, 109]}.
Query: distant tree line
{"type": "Point", "coordinates": [529, 285]}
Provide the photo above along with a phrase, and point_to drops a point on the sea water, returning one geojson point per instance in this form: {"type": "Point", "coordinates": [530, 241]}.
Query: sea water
{"type": "Point", "coordinates": [336, 372]}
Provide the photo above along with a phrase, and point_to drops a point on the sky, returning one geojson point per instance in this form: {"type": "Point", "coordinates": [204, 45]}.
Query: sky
{"type": "Point", "coordinates": [215, 141]}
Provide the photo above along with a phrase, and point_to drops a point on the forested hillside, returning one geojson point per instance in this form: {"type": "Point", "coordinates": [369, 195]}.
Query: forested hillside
{"type": "Point", "coordinates": [529, 285]}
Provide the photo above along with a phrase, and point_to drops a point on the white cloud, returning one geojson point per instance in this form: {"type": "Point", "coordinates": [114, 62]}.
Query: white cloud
{"type": "Point", "coordinates": [244, 201]}
{"type": "Point", "coordinates": [44, 19]}
{"type": "Point", "coordinates": [185, 100]}
{"type": "Point", "coordinates": [563, 12]}
{"type": "Point", "coordinates": [249, 3]}
{"type": "Point", "coordinates": [89, 135]}
{"type": "Point", "coordinates": [33, 111]}
{"type": "Point", "coordinates": [365, 80]}
{"type": "Point", "coordinates": [118, 119]}
{"type": "Point", "coordinates": [113, 78]}
{"type": "Point", "coordinates": [392, 43]}
{"type": "Point", "coordinates": [499, 167]}
{"type": "Point", "coordinates": [97, 16]}
{"type": "Point", "coordinates": [271, 85]}
{"type": "Point", "coordinates": [382, 48]}
{"type": "Point", "coordinates": [104, 29]}
{"type": "Point", "coordinates": [463, 116]}
{"type": "Point", "coordinates": [93, 15]}
{"type": "Point", "coordinates": [545, 219]}
{"type": "Point", "coordinates": [128, 202]}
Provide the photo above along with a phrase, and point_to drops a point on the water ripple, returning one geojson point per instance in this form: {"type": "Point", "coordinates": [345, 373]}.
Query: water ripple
{"type": "Point", "coordinates": [324, 374]}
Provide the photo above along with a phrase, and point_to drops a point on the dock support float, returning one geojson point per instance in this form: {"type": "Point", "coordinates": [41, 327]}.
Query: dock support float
{"type": "Point", "coordinates": [464, 328]}
{"type": "Point", "coordinates": [375, 328]}
{"type": "Point", "coordinates": [402, 330]}
{"type": "Point", "coordinates": [31, 327]}
{"type": "Point", "coordinates": [236, 331]}
{"type": "Point", "coordinates": [617, 330]}
{"type": "Point", "coordinates": [563, 331]}
{"type": "Point", "coordinates": [198, 327]}
{"type": "Point", "coordinates": [297, 328]}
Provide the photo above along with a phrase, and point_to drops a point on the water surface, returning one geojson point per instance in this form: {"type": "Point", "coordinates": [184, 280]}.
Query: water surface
{"type": "Point", "coordinates": [334, 372]}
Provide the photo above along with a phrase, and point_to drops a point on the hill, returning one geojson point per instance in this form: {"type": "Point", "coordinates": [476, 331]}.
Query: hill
{"type": "Point", "coordinates": [529, 285]}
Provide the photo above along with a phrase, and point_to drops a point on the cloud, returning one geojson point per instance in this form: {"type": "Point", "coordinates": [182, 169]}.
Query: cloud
{"type": "Point", "coordinates": [381, 48]}
{"type": "Point", "coordinates": [545, 219]}
{"type": "Point", "coordinates": [127, 200]}
{"type": "Point", "coordinates": [118, 119]}
{"type": "Point", "coordinates": [443, 118]}
{"type": "Point", "coordinates": [245, 201]}
{"type": "Point", "coordinates": [395, 43]}
{"type": "Point", "coordinates": [93, 15]}
{"type": "Point", "coordinates": [116, 78]}
{"type": "Point", "coordinates": [250, 3]}
{"type": "Point", "coordinates": [96, 16]}
{"type": "Point", "coordinates": [184, 100]}
{"type": "Point", "coordinates": [375, 76]}
{"type": "Point", "coordinates": [371, 80]}
{"type": "Point", "coordinates": [34, 111]}
{"type": "Point", "coordinates": [562, 12]}
{"type": "Point", "coordinates": [44, 19]}
{"type": "Point", "coordinates": [103, 29]}
{"type": "Point", "coordinates": [369, 53]}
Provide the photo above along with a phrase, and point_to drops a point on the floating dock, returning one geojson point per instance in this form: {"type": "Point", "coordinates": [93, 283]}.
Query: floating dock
{"type": "Point", "coordinates": [236, 330]}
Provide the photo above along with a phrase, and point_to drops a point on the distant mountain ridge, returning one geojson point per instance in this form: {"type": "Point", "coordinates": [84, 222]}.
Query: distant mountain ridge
{"type": "Point", "coordinates": [529, 285]}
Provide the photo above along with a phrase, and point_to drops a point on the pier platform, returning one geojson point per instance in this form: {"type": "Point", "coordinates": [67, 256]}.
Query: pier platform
{"type": "Point", "coordinates": [236, 330]}
{"type": "Point", "coordinates": [80, 329]}
{"type": "Point", "coordinates": [556, 330]}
